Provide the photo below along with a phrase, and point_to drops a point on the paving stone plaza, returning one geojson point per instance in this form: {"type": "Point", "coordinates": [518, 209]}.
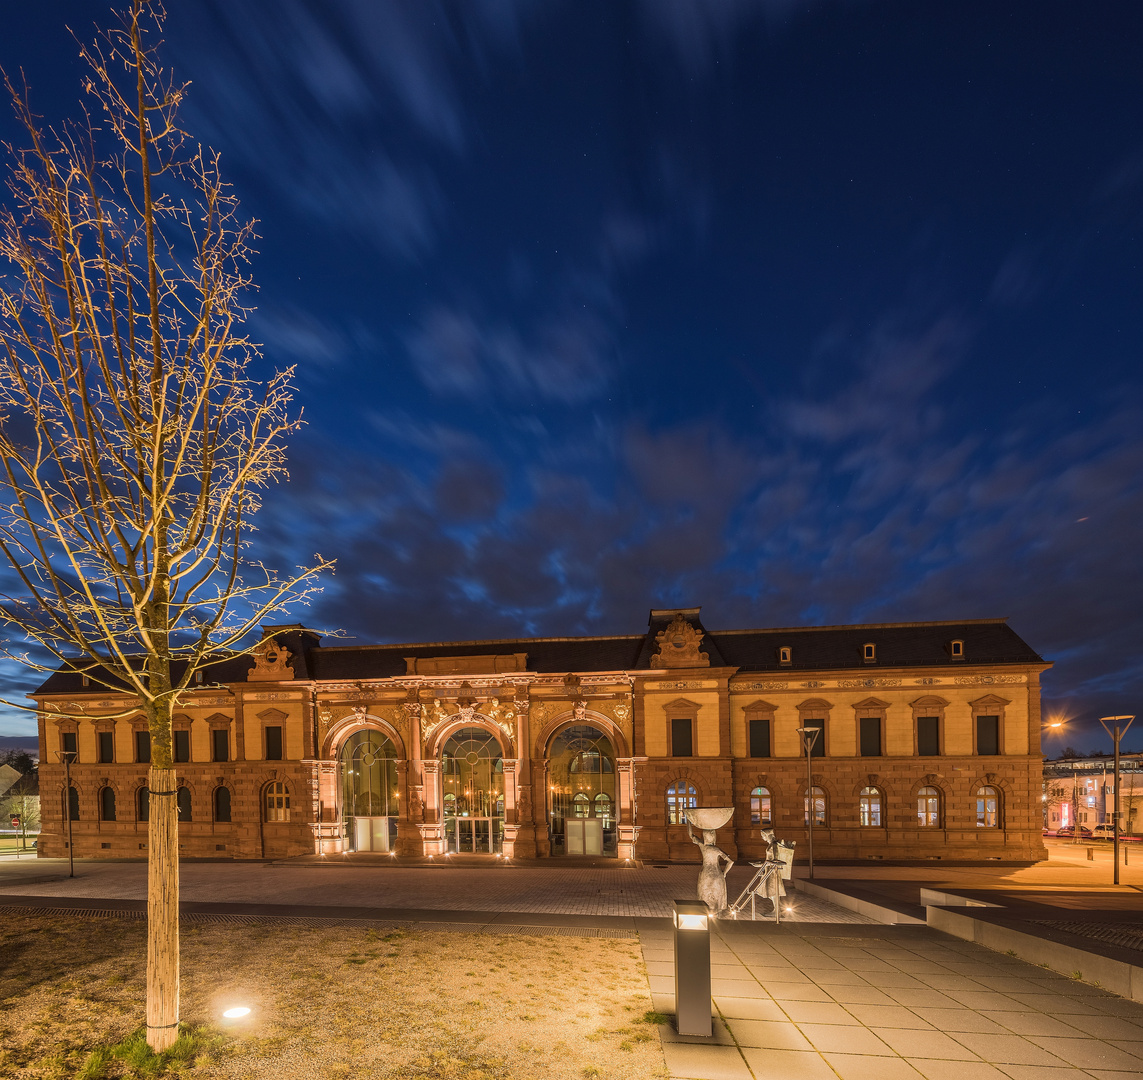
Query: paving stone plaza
{"type": "Point", "coordinates": [828, 994]}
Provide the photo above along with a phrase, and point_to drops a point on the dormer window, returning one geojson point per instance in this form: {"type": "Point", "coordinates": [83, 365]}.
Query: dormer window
{"type": "Point", "coordinates": [956, 650]}
{"type": "Point", "coordinates": [198, 677]}
{"type": "Point", "coordinates": [785, 655]}
{"type": "Point", "coordinates": [869, 650]}
{"type": "Point", "coordinates": [86, 681]}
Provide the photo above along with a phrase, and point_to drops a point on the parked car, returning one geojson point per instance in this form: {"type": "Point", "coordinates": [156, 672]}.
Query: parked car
{"type": "Point", "coordinates": [1107, 832]}
{"type": "Point", "coordinates": [1082, 831]}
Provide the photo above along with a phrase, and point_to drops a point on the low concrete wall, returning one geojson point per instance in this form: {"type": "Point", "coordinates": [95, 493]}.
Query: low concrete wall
{"type": "Point", "coordinates": [867, 908]}
{"type": "Point", "coordinates": [1118, 976]}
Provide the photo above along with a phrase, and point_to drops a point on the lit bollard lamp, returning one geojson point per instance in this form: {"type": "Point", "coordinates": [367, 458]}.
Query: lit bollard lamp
{"type": "Point", "coordinates": [692, 968]}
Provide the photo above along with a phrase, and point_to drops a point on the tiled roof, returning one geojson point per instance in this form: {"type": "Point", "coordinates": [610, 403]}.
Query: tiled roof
{"type": "Point", "coordinates": [986, 641]}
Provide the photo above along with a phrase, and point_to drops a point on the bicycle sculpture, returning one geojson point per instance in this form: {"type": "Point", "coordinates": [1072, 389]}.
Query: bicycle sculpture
{"type": "Point", "coordinates": [769, 879]}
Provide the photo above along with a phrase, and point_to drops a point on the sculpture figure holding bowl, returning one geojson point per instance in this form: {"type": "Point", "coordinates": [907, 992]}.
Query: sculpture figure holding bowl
{"type": "Point", "coordinates": [712, 877]}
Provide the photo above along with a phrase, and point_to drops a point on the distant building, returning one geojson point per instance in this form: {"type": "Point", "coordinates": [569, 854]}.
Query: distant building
{"type": "Point", "coordinates": [1082, 791]}
{"type": "Point", "coordinates": [8, 777]}
{"type": "Point", "coordinates": [928, 746]}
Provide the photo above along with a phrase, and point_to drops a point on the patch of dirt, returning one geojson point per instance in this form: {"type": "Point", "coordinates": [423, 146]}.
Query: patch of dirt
{"type": "Point", "coordinates": [335, 1003]}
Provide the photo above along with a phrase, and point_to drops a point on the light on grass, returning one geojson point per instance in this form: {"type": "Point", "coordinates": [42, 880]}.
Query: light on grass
{"type": "Point", "coordinates": [237, 1012]}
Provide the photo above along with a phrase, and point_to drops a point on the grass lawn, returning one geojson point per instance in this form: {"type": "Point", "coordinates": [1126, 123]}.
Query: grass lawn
{"type": "Point", "coordinates": [14, 843]}
{"type": "Point", "coordinates": [332, 1003]}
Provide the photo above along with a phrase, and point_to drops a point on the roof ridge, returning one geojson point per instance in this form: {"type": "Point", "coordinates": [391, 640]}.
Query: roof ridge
{"type": "Point", "coordinates": [862, 626]}
{"type": "Point", "coordinates": [479, 641]}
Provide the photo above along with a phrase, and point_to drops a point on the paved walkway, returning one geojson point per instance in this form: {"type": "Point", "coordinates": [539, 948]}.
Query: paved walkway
{"type": "Point", "coordinates": [645, 892]}
{"type": "Point", "coordinates": [802, 1002]}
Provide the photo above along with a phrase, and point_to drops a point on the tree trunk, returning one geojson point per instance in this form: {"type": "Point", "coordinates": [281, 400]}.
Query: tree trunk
{"type": "Point", "coordinates": [162, 877]}
{"type": "Point", "coordinates": [162, 910]}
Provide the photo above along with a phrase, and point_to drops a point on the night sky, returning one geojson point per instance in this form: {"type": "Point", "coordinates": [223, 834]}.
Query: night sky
{"type": "Point", "coordinates": [807, 313]}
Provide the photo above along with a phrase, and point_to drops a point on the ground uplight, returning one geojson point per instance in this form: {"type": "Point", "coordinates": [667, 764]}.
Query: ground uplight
{"type": "Point", "coordinates": [236, 1012]}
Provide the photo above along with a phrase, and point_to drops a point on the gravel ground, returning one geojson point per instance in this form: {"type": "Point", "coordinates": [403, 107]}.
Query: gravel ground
{"type": "Point", "coordinates": [336, 1003]}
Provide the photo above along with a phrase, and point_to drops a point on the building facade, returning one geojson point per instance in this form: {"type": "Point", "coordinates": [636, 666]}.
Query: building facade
{"type": "Point", "coordinates": [1082, 791]}
{"type": "Point", "coordinates": [926, 745]}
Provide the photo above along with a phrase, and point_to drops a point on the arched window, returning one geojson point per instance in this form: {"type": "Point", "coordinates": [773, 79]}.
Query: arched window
{"type": "Point", "coordinates": [760, 806]}
{"type": "Point", "coordinates": [819, 806]}
{"type": "Point", "coordinates": [143, 804]}
{"type": "Point", "coordinates": [72, 809]}
{"type": "Point", "coordinates": [681, 796]}
{"type": "Point", "coordinates": [183, 799]}
{"type": "Point", "coordinates": [870, 807]}
{"type": "Point", "coordinates": [581, 805]}
{"type": "Point", "coordinates": [277, 802]}
{"type": "Point", "coordinates": [929, 808]}
{"type": "Point", "coordinates": [987, 808]}
{"type": "Point", "coordinates": [106, 804]}
{"type": "Point", "coordinates": [603, 807]}
{"type": "Point", "coordinates": [222, 803]}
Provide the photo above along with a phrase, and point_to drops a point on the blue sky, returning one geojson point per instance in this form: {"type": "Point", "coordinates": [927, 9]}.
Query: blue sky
{"type": "Point", "coordinates": [808, 313]}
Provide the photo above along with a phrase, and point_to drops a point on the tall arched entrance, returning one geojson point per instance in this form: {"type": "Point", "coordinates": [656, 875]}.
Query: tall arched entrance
{"type": "Point", "coordinates": [472, 787]}
{"type": "Point", "coordinates": [367, 762]}
{"type": "Point", "coordinates": [582, 792]}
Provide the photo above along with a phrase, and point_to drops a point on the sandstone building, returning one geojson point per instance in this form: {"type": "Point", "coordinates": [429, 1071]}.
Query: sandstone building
{"type": "Point", "coordinates": [928, 746]}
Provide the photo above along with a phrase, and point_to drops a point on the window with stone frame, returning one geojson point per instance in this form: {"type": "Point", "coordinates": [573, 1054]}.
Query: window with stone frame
{"type": "Point", "coordinates": [814, 714]}
{"type": "Point", "coordinates": [277, 801]}
{"type": "Point", "coordinates": [760, 807]}
{"type": "Point", "coordinates": [988, 725]}
{"type": "Point", "coordinates": [820, 807]}
{"type": "Point", "coordinates": [106, 804]}
{"type": "Point", "coordinates": [759, 717]}
{"type": "Point", "coordinates": [987, 807]}
{"type": "Point", "coordinates": [681, 796]}
{"type": "Point", "coordinates": [183, 803]}
{"type": "Point", "coordinates": [143, 804]}
{"type": "Point", "coordinates": [871, 805]}
{"type": "Point", "coordinates": [222, 803]}
{"type": "Point", "coordinates": [928, 807]}
{"type": "Point", "coordinates": [105, 745]}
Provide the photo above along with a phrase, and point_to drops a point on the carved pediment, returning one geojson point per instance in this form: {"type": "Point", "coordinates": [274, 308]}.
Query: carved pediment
{"type": "Point", "coordinates": [871, 703]}
{"type": "Point", "coordinates": [989, 701]}
{"type": "Point", "coordinates": [929, 701]}
{"type": "Point", "coordinates": [273, 716]}
{"type": "Point", "coordinates": [814, 703]}
{"type": "Point", "coordinates": [679, 646]}
{"type": "Point", "coordinates": [760, 706]}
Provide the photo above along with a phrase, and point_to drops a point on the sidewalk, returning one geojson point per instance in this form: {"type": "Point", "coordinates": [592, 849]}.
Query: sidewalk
{"type": "Point", "coordinates": [802, 1002]}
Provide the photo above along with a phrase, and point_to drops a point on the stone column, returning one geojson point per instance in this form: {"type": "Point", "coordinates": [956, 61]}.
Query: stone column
{"type": "Point", "coordinates": [432, 830]}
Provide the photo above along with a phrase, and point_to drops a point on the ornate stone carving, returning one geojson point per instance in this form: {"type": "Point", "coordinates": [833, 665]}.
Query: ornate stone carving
{"type": "Point", "coordinates": [432, 716]}
{"type": "Point", "coordinates": [270, 663]}
{"type": "Point", "coordinates": [539, 711]}
{"type": "Point", "coordinates": [622, 712]}
{"type": "Point", "coordinates": [503, 716]}
{"type": "Point", "coordinates": [579, 709]}
{"type": "Point", "coordinates": [857, 684]}
{"type": "Point", "coordinates": [679, 646]}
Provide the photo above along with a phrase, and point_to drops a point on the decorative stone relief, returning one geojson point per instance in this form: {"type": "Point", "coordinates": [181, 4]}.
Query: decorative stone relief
{"type": "Point", "coordinates": [856, 684]}
{"type": "Point", "coordinates": [622, 712]}
{"type": "Point", "coordinates": [540, 711]}
{"type": "Point", "coordinates": [679, 646]}
{"type": "Point", "coordinates": [432, 716]}
{"type": "Point", "coordinates": [768, 685]}
{"type": "Point", "coordinates": [987, 680]}
{"type": "Point", "coordinates": [270, 663]}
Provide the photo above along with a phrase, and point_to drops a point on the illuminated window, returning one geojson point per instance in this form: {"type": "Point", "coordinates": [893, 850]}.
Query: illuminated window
{"type": "Point", "coordinates": [760, 806]}
{"type": "Point", "coordinates": [928, 807]}
{"type": "Point", "coordinates": [987, 812]}
{"type": "Point", "coordinates": [956, 650]}
{"type": "Point", "coordinates": [819, 806]}
{"type": "Point", "coordinates": [680, 796]}
{"type": "Point", "coordinates": [581, 805]}
{"type": "Point", "coordinates": [277, 802]}
{"type": "Point", "coordinates": [785, 655]}
{"type": "Point", "coordinates": [870, 807]}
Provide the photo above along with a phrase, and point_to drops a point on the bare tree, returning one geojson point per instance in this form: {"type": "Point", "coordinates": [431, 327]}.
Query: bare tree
{"type": "Point", "coordinates": [134, 437]}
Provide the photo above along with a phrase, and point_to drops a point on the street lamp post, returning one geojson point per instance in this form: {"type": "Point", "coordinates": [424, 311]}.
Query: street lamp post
{"type": "Point", "coordinates": [66, 756]}
{"type": "Point", "coordinates": [809, 737]}
{"type": "Point", "coordinates": [1116, 734]}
